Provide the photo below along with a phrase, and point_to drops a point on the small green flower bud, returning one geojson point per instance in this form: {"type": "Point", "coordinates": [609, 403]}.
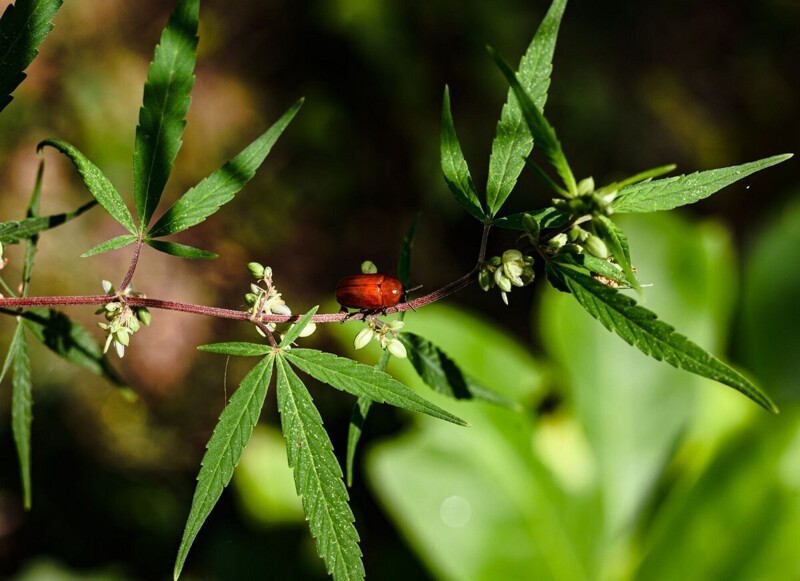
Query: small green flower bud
{"type": "Point", "coordinates": [308, 330]}
{"type": "Point", "coordinates": [133, 324]}
{"type": "Point", "coordinates": [501, 281]}
{"type": "Point", "coordinates": [267, 272]}
{"type": "Point", "coordinates": [396, 325]}
{"type": "Point", "coordinates": [495, 261]}
{"type": "Point", "coordinates": [557, 241]}
{"type": "Point", "coordinates": [531, 226]}
{"type": "Point", "coordinates": [108, 288]}
{"type": "Point", "coordinates": [585, 186]}
{"type": "Point", "coordinates": [485, 279]}
{"type": "Point", "coordinates": [574, 249]}
{"type": "Point", "coordinates": [250, 299]}
{"type": "Point", "coordinates": [256, 269]}
{"type": "Point", "coordinates": [396, 348]}
{"type": "Point", "coordinates": [120, 349]}
{"type": "Point", "coordinates": [368, 267]}
{"type": "Point", "coordinates": [280, 308]}
{"type": "Point", "coordinates": [143, 314]}
{"type": "Point", "coordinates": [122, 336]}
{"type": "Point", "coordinates": [363, 338]}
{"type": "Point", "coordinates": [255, 289]}
{"type": "Point", "coordinates": [504, 296]}
{"type": "Point", "coordinates": [596, 247]}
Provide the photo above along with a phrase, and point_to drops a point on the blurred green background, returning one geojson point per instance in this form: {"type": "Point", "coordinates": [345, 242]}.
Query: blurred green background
{"type": "Point", "coordinates": [618, 467]}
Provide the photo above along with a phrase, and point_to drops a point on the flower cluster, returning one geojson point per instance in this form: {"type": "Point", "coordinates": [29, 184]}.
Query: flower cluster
{"type": "Point", "coordinates": [266, 300]}
{"type": "Point", "coordinates": [506, 271]}
{"type": "Point", "coordinates": [383, 333]}
{"type": "Point", "coordinates": [122, 319]}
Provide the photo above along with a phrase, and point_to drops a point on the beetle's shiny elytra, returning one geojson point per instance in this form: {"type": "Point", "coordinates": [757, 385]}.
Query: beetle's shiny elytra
{"type": "Point", "coordinates": [369, 291]}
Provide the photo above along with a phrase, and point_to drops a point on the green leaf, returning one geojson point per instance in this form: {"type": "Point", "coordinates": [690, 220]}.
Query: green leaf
{"type": "Point", "coordinates": [357, 419]}
{"type": "Point", "coordinates": [363, 380]}
{"type": "Point", "coordinates": [181, 250]}
{"type": "Point", "coordinates": [224, 449]}
{"type": "Point", "coordinates": [598, 266]}
{"type": "Point", "coordinates": [543, 134]}
{"type": "Point", "coordinates": [12, 353]}
{"type": "Point", "coordinates": [641, 328]}
{"type": "Point", "coordinates": [30, 243]}
{"type": "Point", "coordinates": [69, 340]}
{"type": "Point", "coordinates": [15, 231]}
{"type": "Point", "coordinates": [97, 183]}
{"type": "Point", "coordinates": [618, 245]}
{"type": "Point", "coordinates": [23, 27]}
{"type": "Point", "coordinates": [546, 218]}
{"type": "Point", "coordinates": [220, 187]}
{"type": "Point", "coordinates": [294, 331]}
{"type": "Point", "coordinates": [318, 478]}
{"type": "Point", "coordinates": [22, 410]}
{"type": "Point", "coordinates": [648, 174]}
{"type": "Point", "coordinates": [113, 244]}
{"type": "Point", "coordinates": [513, 142]}
{"type": "Point", "coordinates": [442, 374]}
{"type": "Point", "coordinates": [166, 101]}
{"type": "Point", "coordinates": [239, 349]}
{"type": "Point", "coordinates": [454, 166]}
{"type": "Point", "coordinates": [669, 193]}
{"type": "Point", "coordinates": [363, 404]}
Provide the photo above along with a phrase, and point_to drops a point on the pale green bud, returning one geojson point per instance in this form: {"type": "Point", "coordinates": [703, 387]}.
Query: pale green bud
{"type": "Point", "coordinates": [396, 325]}
{"type": "Point", "coordinates": [143, 313]}
{"type": "Point", "coordinates": [531, 226]}
{"type": "Point", "coordinates": [557, 241]}
{"type": "Point", "coordinates": [396, 348]}
{"type": "Point", "coordinates": [585, 186]}
{"type": "Point", "coordinates": [280, 308]}
{"type": "Point", "coordinates": [368, 267]}
{"type": "Point", "coordinates": [267, 272]}
{"type": "Point", "coordinates": [495, 261]}
{"type": "Point", "coordinates": [133, 324]}
{"type": "Point", "coordinates": [108, 288]}
{"type": "Point", "coordinates": [308, 330]}
{"type": "Point", "coordinates": [256, 269]}
{"type": "Point", "coordinates": [501, 281]}
{"type": "Point", "coordinates": [250, 298]}
{"type": "Point", "coordinates": [485, 279]}
{"type": "Point", "coordinates": [363, 338]}
{"type": "Point", "coordinates": [122, 336]}
{"type": "Point", "coordinates": [120, 349]}
{"type": "Point", "coordinates": [596, 247]}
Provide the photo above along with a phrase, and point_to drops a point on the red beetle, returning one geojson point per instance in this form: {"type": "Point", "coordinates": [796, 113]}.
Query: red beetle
{"type": "Point", "coordinates": [369, 291]}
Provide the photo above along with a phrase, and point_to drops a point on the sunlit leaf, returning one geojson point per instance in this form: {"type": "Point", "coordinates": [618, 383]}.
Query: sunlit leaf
{"type": "Point", "coordinates": [454, 166]}
{"type": "Point", "coordinates": [544, 135]}
{"type": "Point", "coordinates": [96, 182]}
{"type": "Point", "coordinates": [318, 478]}
{"type": "Point", "coordinates": [442, 374]}
{"type": "Point", "coordinates": [69, 340]}
{"type": "Point", "coordinates": [239, 349]}
{"type": "Point", "coordinates": [22, 410]}
{"type": "Point", "coordinates": [363, 380]}
{"type": "Point", "coordinates": [294, 331]}
{"type": "Point", "coordinates": [546, 218]}
{"type": "Point", "coordinates": [166, 101]}
{"type": "Point", "coordinates": [642, 329]}
{"type": "Point", "coordinates": [23, 27]}
{"type": "Point", "coordinates": [181, 250]}
{"type": "Point", "coordinates": [669, 193]}
{"type": "Point", "coordinates": [617, 243]}
{"type": "Point", "coordinates": [109, 245]}
{"type": "Point", "coordinates": [220, 187]}
{"type": "Point", "coordinates": [224, 449]}
{"type": "Point", "coordinates": [16, 231]}
{"type": "Point", "coordinates": [513, 142]}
